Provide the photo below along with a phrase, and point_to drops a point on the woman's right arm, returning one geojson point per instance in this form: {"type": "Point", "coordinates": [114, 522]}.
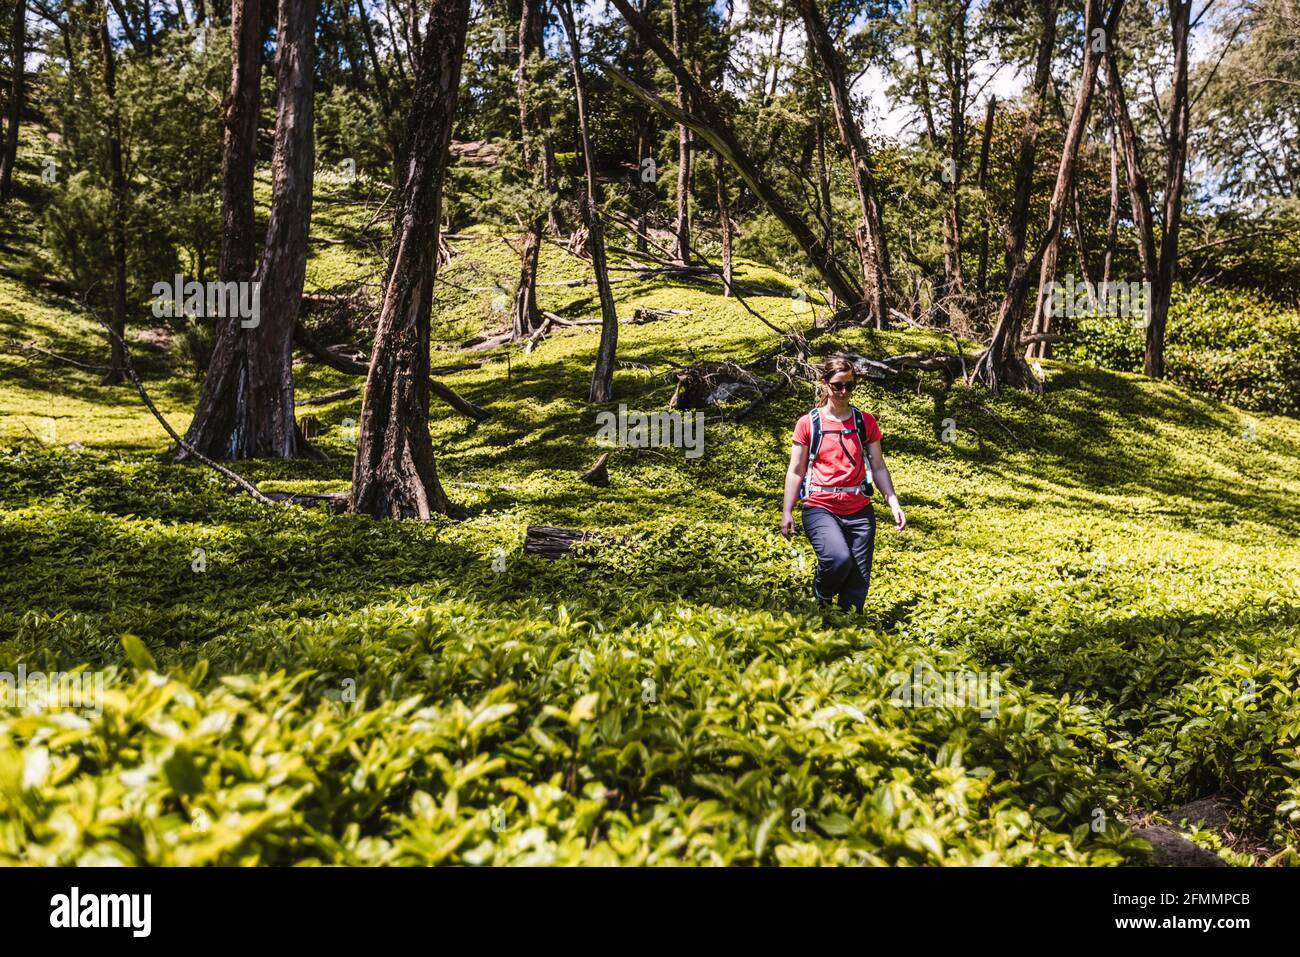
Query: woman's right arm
{"type": "Point", "coordinates": [793, 479]}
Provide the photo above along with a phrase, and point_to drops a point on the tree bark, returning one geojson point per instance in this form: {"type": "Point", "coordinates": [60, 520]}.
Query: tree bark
{"type": "Point", "coordinates": [602, 376]}
{"type": "Point", "coordinates": [824, 191]}
{"type": "Point", "coordinates": [643, 191]}
{"type": "Point", "coordinates": [1138, 191]}
{"type": "Point", "coordinates": [117, 371]}
{"type": "Point", "coordinates": [724, 221]}
{"type": "Point", "coordinates": [239, 152]}
{"type": "Point", "coordinates": [246, 406]}
{"type": "Point", "coordinates": [1112, 220]}
{"type": "Point", "coordinates": [1180, 12]}
{"type": "Point", "coordinates": [981, 180]}
{"type": "Point", "coordinates": [524, 314]}
{"type": "Point", "coordinates": [10, 155]}
{"type": "Point", "coordinates": [1001, 361]}
{"type": "Point", "coordinates": [872, 245]}
{"type": "Point", "coordinates": [682, 247]}
{"type": "Point", "coordinates": [394, 475]}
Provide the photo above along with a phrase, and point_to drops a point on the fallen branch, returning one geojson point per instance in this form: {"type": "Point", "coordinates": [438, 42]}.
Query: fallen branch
{"type": "Point", "coordinates": [456, 401]}
{"type": "Point", "coordinates": [334, 501]}
{"type": "Point", "coordinates": [353, 367]}
{"type": "Point", "coordinates": [32, 347]}
{"type": "Point", "coordinates": [644, 314]}
{"type": "Point", "coordinates": [712, 383]}
{"type": "Point", "coordinates": [537, 335]}
{"type": "Point", "coordinates": [487, 341]}
{"type": "Point", "coordinates": [457, 367]}
{"type": "Point", "coordinates": [235, 477]}
{"type": "Point", "coordinates": [327, 397]}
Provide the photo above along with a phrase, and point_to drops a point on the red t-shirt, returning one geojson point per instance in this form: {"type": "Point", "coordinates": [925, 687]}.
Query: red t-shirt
{"type": "Point", "coordinates": [838, 463]}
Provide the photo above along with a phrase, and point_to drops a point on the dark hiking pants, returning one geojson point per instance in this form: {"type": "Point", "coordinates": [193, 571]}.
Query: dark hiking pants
{"type": "Point", "coordinates": [844, 545]}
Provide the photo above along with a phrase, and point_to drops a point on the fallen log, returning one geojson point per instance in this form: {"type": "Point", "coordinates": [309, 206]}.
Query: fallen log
{"type": "Point", "coordinates": [457, 367]}
{"type": "Point", "coordinates": [549, 542]}
{"type": "Point", "coordinates": [483, 341]}
{"type": "Point", "coordinates": [650, 314]}
{"type": "Point", "coordinates": [702, 384]}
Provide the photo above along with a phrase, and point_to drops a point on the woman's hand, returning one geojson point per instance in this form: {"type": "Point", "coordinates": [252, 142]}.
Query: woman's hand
{"type": "Point", "coordinates": [900, 520]}
{"type": "Point", "coordinates": [787, 524]}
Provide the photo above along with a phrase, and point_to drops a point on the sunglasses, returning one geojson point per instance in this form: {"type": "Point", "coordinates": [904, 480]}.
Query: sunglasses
{"type": "Point", "coordinates": [842, 386]}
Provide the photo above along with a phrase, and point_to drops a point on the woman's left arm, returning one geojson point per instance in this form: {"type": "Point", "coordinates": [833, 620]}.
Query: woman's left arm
{"type": "Point", "coordinates": [881, 476]}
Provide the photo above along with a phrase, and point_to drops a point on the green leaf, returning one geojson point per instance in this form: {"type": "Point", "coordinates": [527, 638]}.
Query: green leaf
{"type": "Point", "coordinates": [138, 654]}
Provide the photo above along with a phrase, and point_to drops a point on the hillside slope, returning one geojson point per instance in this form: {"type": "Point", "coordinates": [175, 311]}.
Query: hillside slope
{"type": "Point", "coordinates": [1118, 555]}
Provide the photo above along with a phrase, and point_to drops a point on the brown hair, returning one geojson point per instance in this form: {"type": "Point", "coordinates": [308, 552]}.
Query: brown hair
{"type": "Point", "coordinates": [832, 366]}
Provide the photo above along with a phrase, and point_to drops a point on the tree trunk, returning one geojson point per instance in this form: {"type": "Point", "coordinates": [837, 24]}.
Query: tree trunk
{"type": "Point", "coordinates": [524, 313]}
{"type": "Point", "coordinates": [117, 372]}
{"type": "Point", "coordinates": [602, 376]}
{"type": "Point", "coordinates": [1112, 220]}
{"type": "Point", "coordinates": [10, 155]}
{"type": "Point", "coordinates": [824, 191]}
{"type": "Point", "coordinates": [246, 406]}
{"type": "Point", "coordinates": [239, 153]}
{"type": "Point", "coordinates": [394, 475]}
{"type": "Point", "coordinates": [644, 190]}
{"type": "Point", "coordinates": [724, 221]}
{"type": "Point", "coordinates": [981, 280]}
{"type": "Point", "coordinates": [873, 249]}
{"type": "Point", "coordinates": [1139, 193]}
{"type": "Point", "coordinates": [707, 121]}
{"type": "Point", "coordinates": [682, 247]}
{"type": "Point", "coordinates": [1001, 363]}
{"type": "Point", "coordinates": [555, 223]}
{"type": "Point", "coordinates": [1180, 12]}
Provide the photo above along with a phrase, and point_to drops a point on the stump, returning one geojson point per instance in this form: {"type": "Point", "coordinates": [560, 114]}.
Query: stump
{"type": "Point", "coordinates": [598, 474]}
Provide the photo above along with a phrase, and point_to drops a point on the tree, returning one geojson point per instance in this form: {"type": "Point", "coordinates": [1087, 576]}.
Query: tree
{"type": "Point", "coordinates": [239, 143]}
{"type": "Point", "coordinates": [246, 406]}
{"type": "Point", "coordinates": [1159, 264]}
{"type": "Point", "coordinates": [524, 313]}
{"type": "Point", "coordinates": [872, 246]}
{"type": "Point", "coordinates": [1001, 362]}
{"type": "Point", "coordinates": [9, 156]}
{"type": "Point", "coordinates": [395, 475]}
{"type": "Point", "coordinates": [682, 234]}
{"type": "Point", "coordinates": [116, 374]}
{"type": "Point", "coordinates": [707, 120]}
{"type": "Point", "coordinates": [602, 376]}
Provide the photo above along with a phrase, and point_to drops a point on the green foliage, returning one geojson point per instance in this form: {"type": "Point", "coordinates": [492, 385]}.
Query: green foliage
{"type": "Point", "coordinates": [1237, 346]}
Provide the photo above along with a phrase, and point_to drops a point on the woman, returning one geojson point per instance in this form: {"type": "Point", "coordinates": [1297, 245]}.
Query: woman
{"type": "Point", "coordinates": [836, 491]}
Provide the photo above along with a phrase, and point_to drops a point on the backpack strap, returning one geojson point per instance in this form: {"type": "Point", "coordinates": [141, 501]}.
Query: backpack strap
{"type": "Point", "coordinates": [814, 443]}
{"type": "Point", "coordinates": [860, 424]}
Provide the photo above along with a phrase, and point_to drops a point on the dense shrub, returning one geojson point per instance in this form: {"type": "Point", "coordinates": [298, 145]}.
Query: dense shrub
{"type": "Point", "coordinates": [1238, 347]}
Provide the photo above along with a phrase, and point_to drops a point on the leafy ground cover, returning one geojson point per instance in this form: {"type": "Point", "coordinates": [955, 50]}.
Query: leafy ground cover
{"type": "Point", "coordinates": [284, 685]}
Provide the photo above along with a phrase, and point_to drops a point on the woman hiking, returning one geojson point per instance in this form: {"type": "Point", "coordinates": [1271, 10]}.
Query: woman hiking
{"type": "Point", "coordinates": [835, 489]}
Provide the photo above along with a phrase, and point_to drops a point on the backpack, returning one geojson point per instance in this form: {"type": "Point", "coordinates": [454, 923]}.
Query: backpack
{"type": "Point", "coordinates": [815, 442]}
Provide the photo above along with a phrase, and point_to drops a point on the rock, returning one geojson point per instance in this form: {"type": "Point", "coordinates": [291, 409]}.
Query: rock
{"type": "Point", "coordinates": [1208, 812]}
{"type": "Point", "coordinates": [1173, 850]}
